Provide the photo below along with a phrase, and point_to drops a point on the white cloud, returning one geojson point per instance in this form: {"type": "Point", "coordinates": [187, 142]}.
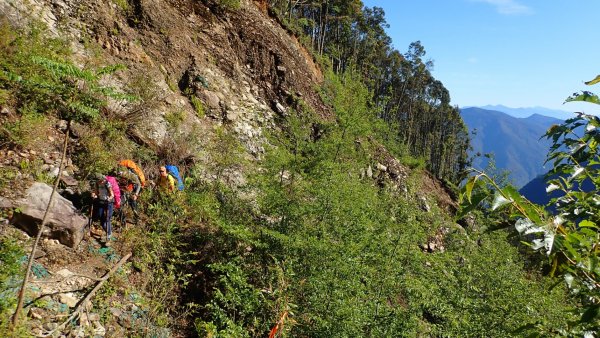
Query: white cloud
{"type": "Point", "coordinates": [472, 60]}
{"type": "Point", "coordinates": [508, 7]}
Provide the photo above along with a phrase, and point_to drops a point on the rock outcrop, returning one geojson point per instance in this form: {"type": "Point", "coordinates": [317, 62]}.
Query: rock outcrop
{"type": "Point", "coordinates": [65, 224]}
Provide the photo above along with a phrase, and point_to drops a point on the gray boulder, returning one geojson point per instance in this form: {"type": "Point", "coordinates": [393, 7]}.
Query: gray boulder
{"type": "Point", "coordinates": [64, 223]}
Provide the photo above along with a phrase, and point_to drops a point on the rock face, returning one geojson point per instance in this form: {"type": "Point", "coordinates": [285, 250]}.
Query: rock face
{"type": "Point", "coordinates": [64, 222]}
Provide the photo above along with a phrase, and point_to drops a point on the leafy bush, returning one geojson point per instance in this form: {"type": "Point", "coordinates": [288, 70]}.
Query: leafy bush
{"type": "Point", "coordinates": [35, 71]}
{"type": "Point", "coordinates": [198, 106]}
{"type": "Point", "coordinates": [567, 238]}
{"type": "Point", "coordinates": [11, 254]}
{"type": "Point", "coordinates": [229, 4]}
{"type": "Point", "coordinates": [29, 131]}
{"type": "Point", "coordinates": [336, 255]}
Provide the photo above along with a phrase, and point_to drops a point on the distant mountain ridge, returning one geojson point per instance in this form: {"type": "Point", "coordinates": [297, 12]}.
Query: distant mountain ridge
{"type": "Point", "coordinates": [527, 112]}
{"type": "Point", "coordinates": [515, 142]}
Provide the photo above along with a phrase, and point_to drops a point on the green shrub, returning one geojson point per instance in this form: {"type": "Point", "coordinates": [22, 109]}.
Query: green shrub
{"type": "Point", "coordinates": [11, 254]}
{"type": "Point", "coordinates": [38, 73]}
{"type": "Point", "coordinates": [123, 4]}
{"type": "Point", "coordinates": [29, 131]}
{"type": "Point", "coordinates": [198, 106]}
{"type": "Point", "coordinates": [229, 4]}
{"type": "Point", "coordinates": [175, 118]}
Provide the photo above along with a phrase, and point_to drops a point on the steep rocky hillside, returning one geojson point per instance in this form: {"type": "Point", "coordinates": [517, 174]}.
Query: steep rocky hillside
{"type": "Point", "coordinates": [242, 65]}
{"type": "Point", "coordinates": [243, 68]}
{"type": "Point", "coordinates": [297, 218]}
{"type": "Point", "coordinates": [201, 65]}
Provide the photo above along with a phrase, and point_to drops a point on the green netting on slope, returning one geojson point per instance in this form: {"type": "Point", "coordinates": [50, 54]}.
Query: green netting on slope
{"type": "Point", "coordinates": [37, 269]}
{"type": "Point", "coordinates": [108, 253]}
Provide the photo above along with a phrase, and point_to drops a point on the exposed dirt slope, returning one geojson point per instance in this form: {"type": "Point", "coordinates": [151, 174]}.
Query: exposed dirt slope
{"type": "Point", "coordinates": [244, 45]}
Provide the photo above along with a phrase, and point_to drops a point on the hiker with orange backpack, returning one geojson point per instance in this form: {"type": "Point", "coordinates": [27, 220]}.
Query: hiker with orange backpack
{"type": "Point", "coordinates": [131, 180]}
{"type": "Point", "coordinates": [103, 195]}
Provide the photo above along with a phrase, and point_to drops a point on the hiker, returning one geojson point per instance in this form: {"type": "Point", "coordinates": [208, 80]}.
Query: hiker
{"type": "Point", "coordinates": [103, 195]}
{"type": "Point", "coordinates": [173, 171]}
{"type": "Point", "coordinates": [130, 185]}
{"type": "Point", "coordinates": [166, 182]}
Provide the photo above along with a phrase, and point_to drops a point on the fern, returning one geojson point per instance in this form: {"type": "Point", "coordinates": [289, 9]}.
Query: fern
{"type": "Point", "coordinates": [84, 111]}
{"type": "Point", "coordinates": [114, 94]}
{"type": "Point", "coordinates": [110, 69]}
{"type": "Point", "coordinates": [64, 69]}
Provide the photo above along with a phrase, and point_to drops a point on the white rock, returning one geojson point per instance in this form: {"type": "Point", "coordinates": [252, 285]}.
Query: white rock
{"type": "Point", "coordinates": [99, 330]}
{"type": "Point", "coordinates": [69, 299]}
{"type": "Point", "coordinates": [65, 273]}
{"type": "Point", "coordinates": [381, 167]}
{"type": "Point", "coordinates": [370, 172]}
{"type": "Point", "coordinates": [280, 108]}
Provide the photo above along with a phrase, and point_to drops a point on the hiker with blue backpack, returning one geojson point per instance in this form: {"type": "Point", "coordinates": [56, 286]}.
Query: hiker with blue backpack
{"type": "Point", "coordinates": [166, 182]}
{"type": "Point", "coordinates": [169, 179]}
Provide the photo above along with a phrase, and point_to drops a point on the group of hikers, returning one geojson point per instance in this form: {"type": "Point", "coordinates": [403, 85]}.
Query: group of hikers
{"type": "Point", "coordinates": [121, 188]}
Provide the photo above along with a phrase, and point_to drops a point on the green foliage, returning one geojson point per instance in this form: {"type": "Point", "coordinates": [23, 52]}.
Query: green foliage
{"type": "Point", "coordinates": [229, 4]}
{"type": "Point", "coordinates": [336, 255]}
{"type": "Point", "coordinates": [123, 4]}
{"type": "Point", "coordinates": [225, 154]}
{"type": "Point", "coordinates": [413, 162]}
{"type": "Point", "coordinates": [11, 253]}
{"type": "Point", "coordinates": [162, 257]}
{"type": "Point", "coordinates": [7, 175]}
{"type": "Point", "coordinates": [35, 71]}
{"type": "Point", "coordinates": [567, 238]}
{"type": "Point", "coordinates": [102, 145]}
{"type": "Point", "coordinates": [175, 118]}
{"type": "Point", "coordinates": [198, 106]}
{"type": "Point", "coordinates": [29, 131]}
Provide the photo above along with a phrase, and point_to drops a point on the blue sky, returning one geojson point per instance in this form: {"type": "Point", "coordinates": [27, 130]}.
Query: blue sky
{"type": "Point", "coordinates": [517, 53]}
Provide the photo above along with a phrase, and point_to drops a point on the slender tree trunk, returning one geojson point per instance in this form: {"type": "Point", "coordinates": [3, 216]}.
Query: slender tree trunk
{"type": "Point", "coordinates": [15, 318]}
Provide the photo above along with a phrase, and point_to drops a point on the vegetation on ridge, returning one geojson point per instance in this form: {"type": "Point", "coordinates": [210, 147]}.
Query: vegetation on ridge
{"type": "Point", "coordinates": [311, 241]}
{"type": "Point", "coordinates": [567, 238]}
{"type": "Point", "coordinates": [346, 35]}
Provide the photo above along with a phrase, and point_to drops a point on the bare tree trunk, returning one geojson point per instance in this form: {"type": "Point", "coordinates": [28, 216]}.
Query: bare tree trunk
{"type": "Point", "coordinates": [15, 318]}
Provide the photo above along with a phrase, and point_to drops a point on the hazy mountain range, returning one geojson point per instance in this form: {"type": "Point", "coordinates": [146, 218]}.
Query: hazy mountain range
{"type": "Point", "coordinates": [513, 136]}
{"type": "Point", "coordinates": [526, 112]}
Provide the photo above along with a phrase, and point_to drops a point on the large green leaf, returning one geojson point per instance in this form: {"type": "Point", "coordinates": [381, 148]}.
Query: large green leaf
{"type": "Point", "coordinates": [587, 224]}
{"type": "Point", "coordinates": [585, 96]}
{"type": "Point", "coordinates": [469, 187]}
{"type": "Point", "coordinates": [474, 203]}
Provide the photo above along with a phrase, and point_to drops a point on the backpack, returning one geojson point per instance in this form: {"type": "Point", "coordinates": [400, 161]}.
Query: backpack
{"type": "Point", "coordinates": [174, 171]}
{"type": "Point", "coordinates": [129, 164]}
{"type": "Point", "coordinates": [116, 191]}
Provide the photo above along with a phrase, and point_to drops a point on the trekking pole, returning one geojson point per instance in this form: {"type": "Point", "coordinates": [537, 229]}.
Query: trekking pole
{"type": "Point", "coordinates": [106, 221]}
{"type": "Point", "coordinates": [91, 218]}
{"type": "Point", "coordinates": [122, 219]}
